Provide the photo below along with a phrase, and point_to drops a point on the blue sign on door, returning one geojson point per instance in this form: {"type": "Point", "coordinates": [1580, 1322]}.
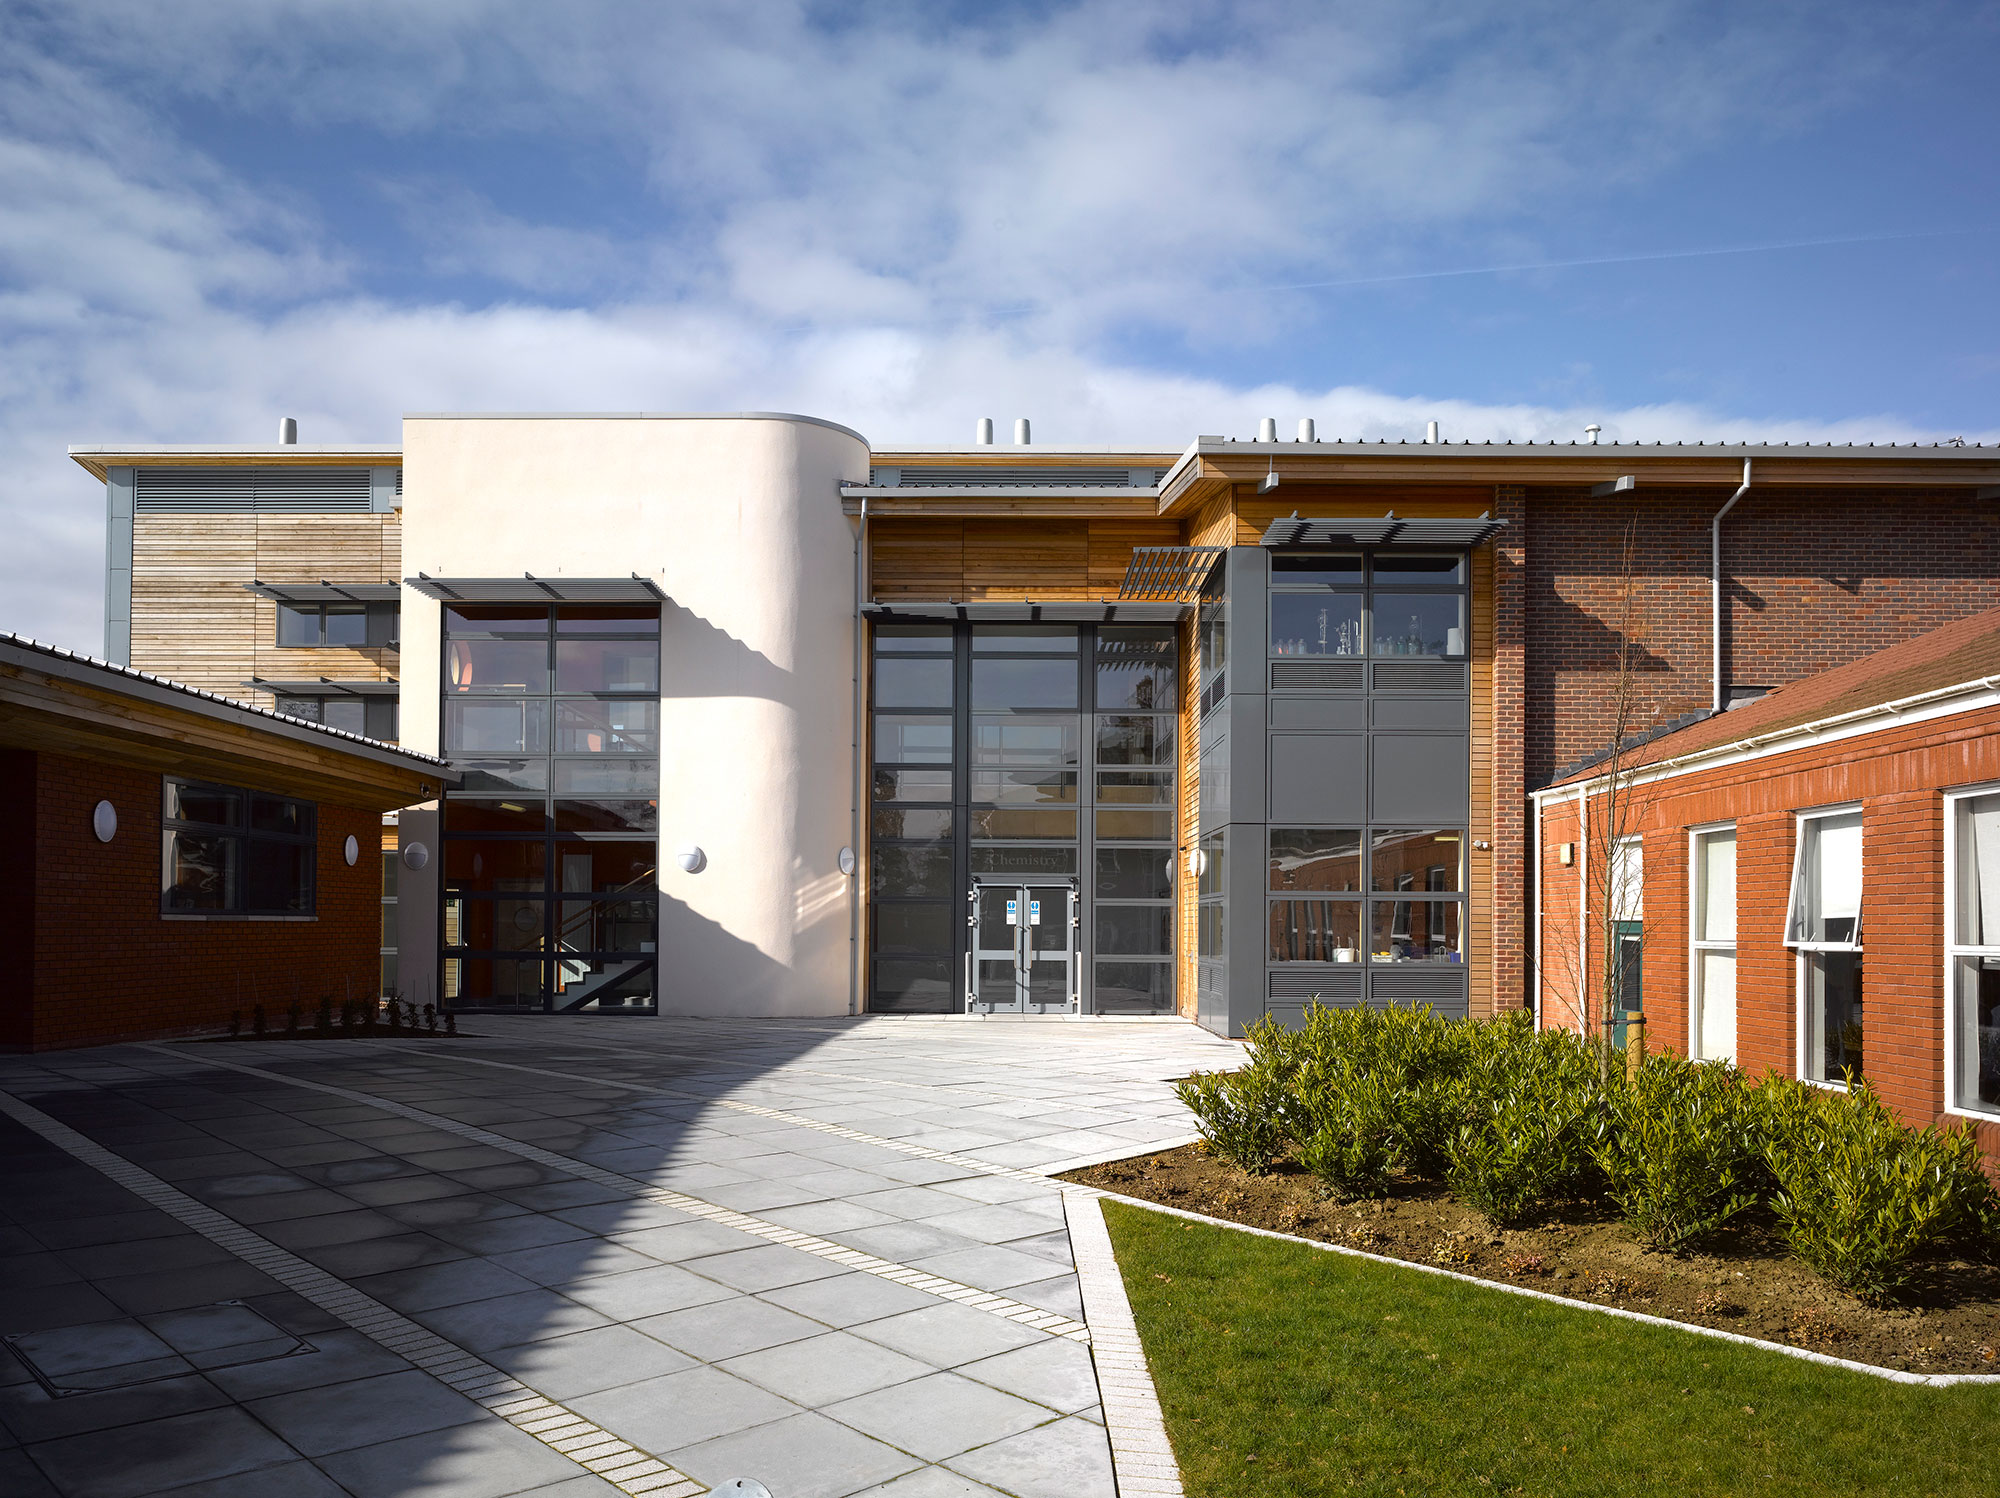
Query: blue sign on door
{"type": "Point", "coordinates": [1034, 912]}
{"type": "Point", "coordinates": [1013, 912]}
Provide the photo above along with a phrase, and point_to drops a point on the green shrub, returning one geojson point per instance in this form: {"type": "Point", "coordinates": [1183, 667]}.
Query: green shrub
{"type": "Point", "coordinates": [1344, 1119]}
{"type": "Point", "coordinates": [1679, 1147]}
{"type": "Point", "coordinates": [1862, 1198]}
{"type": "Point", "coordinates": [1240, 1114]}
{"type": "Point", "coordinates": [1532, 1109]}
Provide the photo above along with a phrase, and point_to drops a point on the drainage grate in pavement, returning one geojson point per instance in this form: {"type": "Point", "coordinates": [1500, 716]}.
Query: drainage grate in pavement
{"type": "Point", "coordinates": [102, 1355]}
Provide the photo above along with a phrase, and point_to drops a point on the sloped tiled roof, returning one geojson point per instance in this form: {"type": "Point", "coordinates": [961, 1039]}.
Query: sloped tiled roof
{"type": "Point", "coordinates": [1961, 653]}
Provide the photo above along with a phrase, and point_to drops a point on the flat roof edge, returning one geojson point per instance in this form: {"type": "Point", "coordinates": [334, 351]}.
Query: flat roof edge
{"type": "Point", "coordinates": [817, 421]}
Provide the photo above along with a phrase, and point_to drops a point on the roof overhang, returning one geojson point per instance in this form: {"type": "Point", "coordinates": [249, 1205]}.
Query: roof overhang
{"type": "Point", "coordinates": [528, 588]}
{"type": "Point", "coordinates": [98, 458]}
{"type": "Point", "coordinates": [326, 592]}
{"type": "Point", "coordinates": [1052, 611]}
{"type": "Point", "coordinates": [1381, 531]}
{"type": "Point", "coordinates": [58, 702]}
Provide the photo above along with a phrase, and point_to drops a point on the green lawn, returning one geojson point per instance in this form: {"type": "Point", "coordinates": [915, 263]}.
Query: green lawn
{"type": "Point", "coordinates": [1287, 1371]}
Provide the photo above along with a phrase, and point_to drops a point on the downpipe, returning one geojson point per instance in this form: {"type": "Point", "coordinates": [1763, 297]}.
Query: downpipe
{"type": "Point", "coordinates": [1715, 588]}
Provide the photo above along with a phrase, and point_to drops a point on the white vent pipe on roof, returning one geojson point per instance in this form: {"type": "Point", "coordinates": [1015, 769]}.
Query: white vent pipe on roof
{"type": "Point", "coordinates": [1306, 433]}
{"type": "Point", "coordinates": [1021, 432]}
{"type": "Point", "coordinates": [288, 432]}
{"type": "Point", "coordinates": [1715, 583]}
{"type": "Point", "coordinates": [1431, 432]}
{"type": "Point", "coordinates": [985, 435]}
{"type": "Point", "coordinates": [1591, 432]}
{"type": "Point", "coordinates": [1267, 429]}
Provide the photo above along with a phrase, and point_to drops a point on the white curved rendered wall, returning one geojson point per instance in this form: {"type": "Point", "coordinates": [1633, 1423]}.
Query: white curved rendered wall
{"type": "Point", "coordinates": [738, 520]}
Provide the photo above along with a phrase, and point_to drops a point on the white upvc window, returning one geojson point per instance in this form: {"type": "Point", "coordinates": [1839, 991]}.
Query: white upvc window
{"type": "Point", "coordinates": [1972, 951]}
{"type": "Point", "coordinates": [1823, 927]}
{"type": "Point", "coordinates": [1712, 944]}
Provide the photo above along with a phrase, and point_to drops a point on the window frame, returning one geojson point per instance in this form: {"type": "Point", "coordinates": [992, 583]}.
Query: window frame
{"type": "Point", "coordinates": [1956, 952]}
{"type": "Point", "coordinates": [1365, 590]}
{"type": "Point", "coordinates": [1805, 954]}
{"type": "Point", "coordinates": [1698, 946]}
{"type": "Point", "coordinates": [242, 835]}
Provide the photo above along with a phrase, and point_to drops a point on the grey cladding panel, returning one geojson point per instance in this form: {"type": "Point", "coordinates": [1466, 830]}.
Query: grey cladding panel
{"type": "Point", "coordinates": [1420, 778]}
{"type": "Point", "coordinates": [1326, 714]}
{"type": "Point", "coordinates": [1333, 983]}
{"type": "Point", "coordinates": [1440, 985]}
{"type": "Point", "coordinates": [1318, 676]}
{"type": "Point", "coordinates": [1318, 777]}
{"type": "Point", "coordinates": [1213, 789]}
{"type": "Point", "coordinates": [1422, 712]}
{"type": "Point", "coordinates": [1419, 676]}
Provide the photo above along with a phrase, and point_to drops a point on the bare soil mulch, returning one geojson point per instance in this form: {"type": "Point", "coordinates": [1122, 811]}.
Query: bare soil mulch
{"type": "Point", "coordinates": [1745, 1283]}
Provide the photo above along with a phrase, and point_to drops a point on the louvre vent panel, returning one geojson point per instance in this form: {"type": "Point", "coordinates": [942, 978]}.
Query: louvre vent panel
{"type": "Point", "coordinates": [1419, 676]}
{"type": "Point", "coordinates": [399, 483]}
{"type": "Point", "coordinates": [1441, 985]}
{"type": "Point", "coordinates": [192, 491]}
{"type": "Point", "coordinates": [1318, 676]}
{"type": "Point", "coordinates": [1330, 982]}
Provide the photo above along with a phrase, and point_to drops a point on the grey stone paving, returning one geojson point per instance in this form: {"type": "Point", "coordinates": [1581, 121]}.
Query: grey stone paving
{"type": "Point", "coordinates": [718, 1351]}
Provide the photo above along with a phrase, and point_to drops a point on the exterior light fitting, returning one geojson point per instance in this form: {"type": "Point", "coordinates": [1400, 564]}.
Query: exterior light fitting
{"type": "Point", "coordinates": [691, 859]}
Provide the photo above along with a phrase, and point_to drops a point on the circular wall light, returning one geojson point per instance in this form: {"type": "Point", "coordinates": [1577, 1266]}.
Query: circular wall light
{"type": "Point", "coordinates": [351, 850]}
{"type": "Point", "coordinates": [691, 859]}
{"type": "Point", "coordinates": [104, 821]}
{"type": "Point", "coordinates": [848, 862]}
{"type": "Point", "coordinates": [1197, 862]}
{"type": "Point", "coordinates": [416, 856]}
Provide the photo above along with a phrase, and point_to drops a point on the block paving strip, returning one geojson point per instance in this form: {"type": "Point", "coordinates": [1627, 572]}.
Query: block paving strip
{"type": "Point", "coordinates": [848, 1258]}
{"type": "Point", "coordinates": [619, 1463]}
{"type": "Point", "coordinates": [1141, 1455]}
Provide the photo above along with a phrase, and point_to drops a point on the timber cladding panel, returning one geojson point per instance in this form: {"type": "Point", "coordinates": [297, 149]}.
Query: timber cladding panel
{"type": "Point", "coordinates": [1001, 559]}
{"type": "Point", "coordinates": [193, 621]}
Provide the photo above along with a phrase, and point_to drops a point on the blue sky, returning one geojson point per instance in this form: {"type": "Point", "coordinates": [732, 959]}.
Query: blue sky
{"type": "Point", "coordinates": [1132, 223]}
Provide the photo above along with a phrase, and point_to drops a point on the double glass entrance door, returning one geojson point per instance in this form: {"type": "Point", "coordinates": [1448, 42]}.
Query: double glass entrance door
{"type": "Point", "coordinates": [1023, 951]}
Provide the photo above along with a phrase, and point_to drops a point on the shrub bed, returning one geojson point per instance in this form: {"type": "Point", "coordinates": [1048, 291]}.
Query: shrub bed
{"type": "Point", "coordinates": [1515, 1123]}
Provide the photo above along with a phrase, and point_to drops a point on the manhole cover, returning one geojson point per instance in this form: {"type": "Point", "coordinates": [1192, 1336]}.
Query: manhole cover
{"type": "Point", "coordinates": [102, 1355]}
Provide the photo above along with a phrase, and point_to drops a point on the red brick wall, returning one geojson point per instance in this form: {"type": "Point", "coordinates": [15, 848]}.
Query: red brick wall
{"type": "Point", "coordinates": [1813, 579]}
{"type": "Point", "coordinates": [1899, 776]}
{"type": "Point", "coordinates": [108, 966]}
{"type": "Point", "coordinates": [17, 894]}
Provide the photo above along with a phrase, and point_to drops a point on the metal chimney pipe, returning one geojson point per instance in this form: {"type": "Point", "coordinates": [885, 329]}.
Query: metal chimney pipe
{"type": "Point", "coordinates": [1306, 433]}
{"type": "Point", "coordinates": [1431, 432]}
{"type": "Point", "coordinates": [1021, 432]}
{"type": "Point", "coordinates": [985, 437]}
{"type": "Point", "coordinates": [1591, 432]}
{"type": "Point", "coordinates": [288, 432]}
{"type": "Point", "coordinates": [1267, 429]}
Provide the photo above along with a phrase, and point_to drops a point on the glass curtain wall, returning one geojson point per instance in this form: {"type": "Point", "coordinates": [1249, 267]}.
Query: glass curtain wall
{"type": "Point", "coordinates": [1386, 604]}
{"type": "Point", "coordinates": [550, 876]}
{"type": "Point", "coordinates": [1031, 751]}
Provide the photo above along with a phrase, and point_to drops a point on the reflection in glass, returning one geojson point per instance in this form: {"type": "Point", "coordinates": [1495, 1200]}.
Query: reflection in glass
{"type": "Point", "coordinates": [606, 619]}
{"type": "Point", "coordinates": [1009, 740]}
{"type": "Point", "coordinates": [200, 871]}
{"type": "Point", "coordinates": [1315, 858]}
{"type": "Point", "coordinates": [919, 681]}
{"type": "Point", "coordinates": [912, 825]}
{"type": "Point", "coordinates": [1425, 860]}
{"type": "Point", "coordinates": [204, 803]}
{"type": "Point", "coordinates": [501, 726]}
{"type": "Point", "coordinates": [904, 739]}
{"type": "Point", "coordinates": [1023, 822]}
{"type": "Point", "coordinates": [1135, 667]}
{"type": "Point", "coordinates": [518, 619]}
{"type": "Point", "coordinates": [608, 726]}
{"type": "Point", "coordinates": [1135, 988]}
{"type": "Point", "coordinates": [910, 869]}
{"type": "Point", "coordinates": [890, 638]}
{"type": "Point", "coordinates": [502, 815]}
{"type": "Point", "coordinates": [1000, 682]}
{"type": "Point", "coordinates": [610, 775]}
{"type": "Point", "coordinates": [493, 866]}
{"type": "Point", "coordinates": [1316, 624]}
{"type": "Point", "coordinates": [914, 926]}
{"type": "Point", "coordinates": [1025, 860]}
{"type": "Point", "coordinates": [607, 816]}
{"type": "Point", "coordinates": [607, 666]}
{"type": "Point", "coordinates": [1833, 1016]}
{"type": "Point", "coordinates": [346, 624]}
{"type": "Point", "coordinates": [481, 665]}
{"type": "Point", "coordinates": [1059, 639]}
{"type": "Point", "coordinates": [892, 783]}
{"type": "Point", "coordinates": [1419, 623]}
{"type": "Point", "coordinates": [1135, 741]}
{"type": "Point", "coordinates": [1135, 873]}
{"type": "Point", "coordinates": [1413, 930]}
{"type": "Point", "coordinates": [1135, 930]}
{"type": "Point", "coordinates": [1315, 930]}
{"type": "Point", "coordinates": [1024, 787]}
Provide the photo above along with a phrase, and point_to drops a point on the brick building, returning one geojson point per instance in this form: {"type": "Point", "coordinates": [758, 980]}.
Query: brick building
{"type": "Point", "coordinates": [168, 858]}
{"type": "Point", "coordinates": [1809, 884]}
{"type": "Point", "coordinates": [1266, 667]}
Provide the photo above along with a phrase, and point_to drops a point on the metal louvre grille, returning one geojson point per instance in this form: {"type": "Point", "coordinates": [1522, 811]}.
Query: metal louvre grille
{"type": "Point", "coordinates": [1419, 676]}
{"type": "Point", "coordinates": [1014, 478]}
{"type": "Point", "coordinates": [1167, 571]}
{"type": "Point", "coordinates": [399, 483]}
{"type": "Point", "coordinates": [1320, 676]}
{"type": "Point", "coordinates": [1331, 982]}
{"type": "Point", "coordinates": [192, 491]}
{"type": "Point", "coordinates": [1441, 985]}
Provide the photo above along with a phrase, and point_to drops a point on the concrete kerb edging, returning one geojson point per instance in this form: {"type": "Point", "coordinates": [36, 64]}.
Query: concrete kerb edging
{"type": "Point", "coordinates": [1893, 1375]}
{"type": "Point", "coordinates": [1142, 1456]}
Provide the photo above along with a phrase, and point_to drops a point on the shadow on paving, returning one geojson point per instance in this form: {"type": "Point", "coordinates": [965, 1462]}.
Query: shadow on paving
{"type": "Point", "coordinates": [147, 1360]}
